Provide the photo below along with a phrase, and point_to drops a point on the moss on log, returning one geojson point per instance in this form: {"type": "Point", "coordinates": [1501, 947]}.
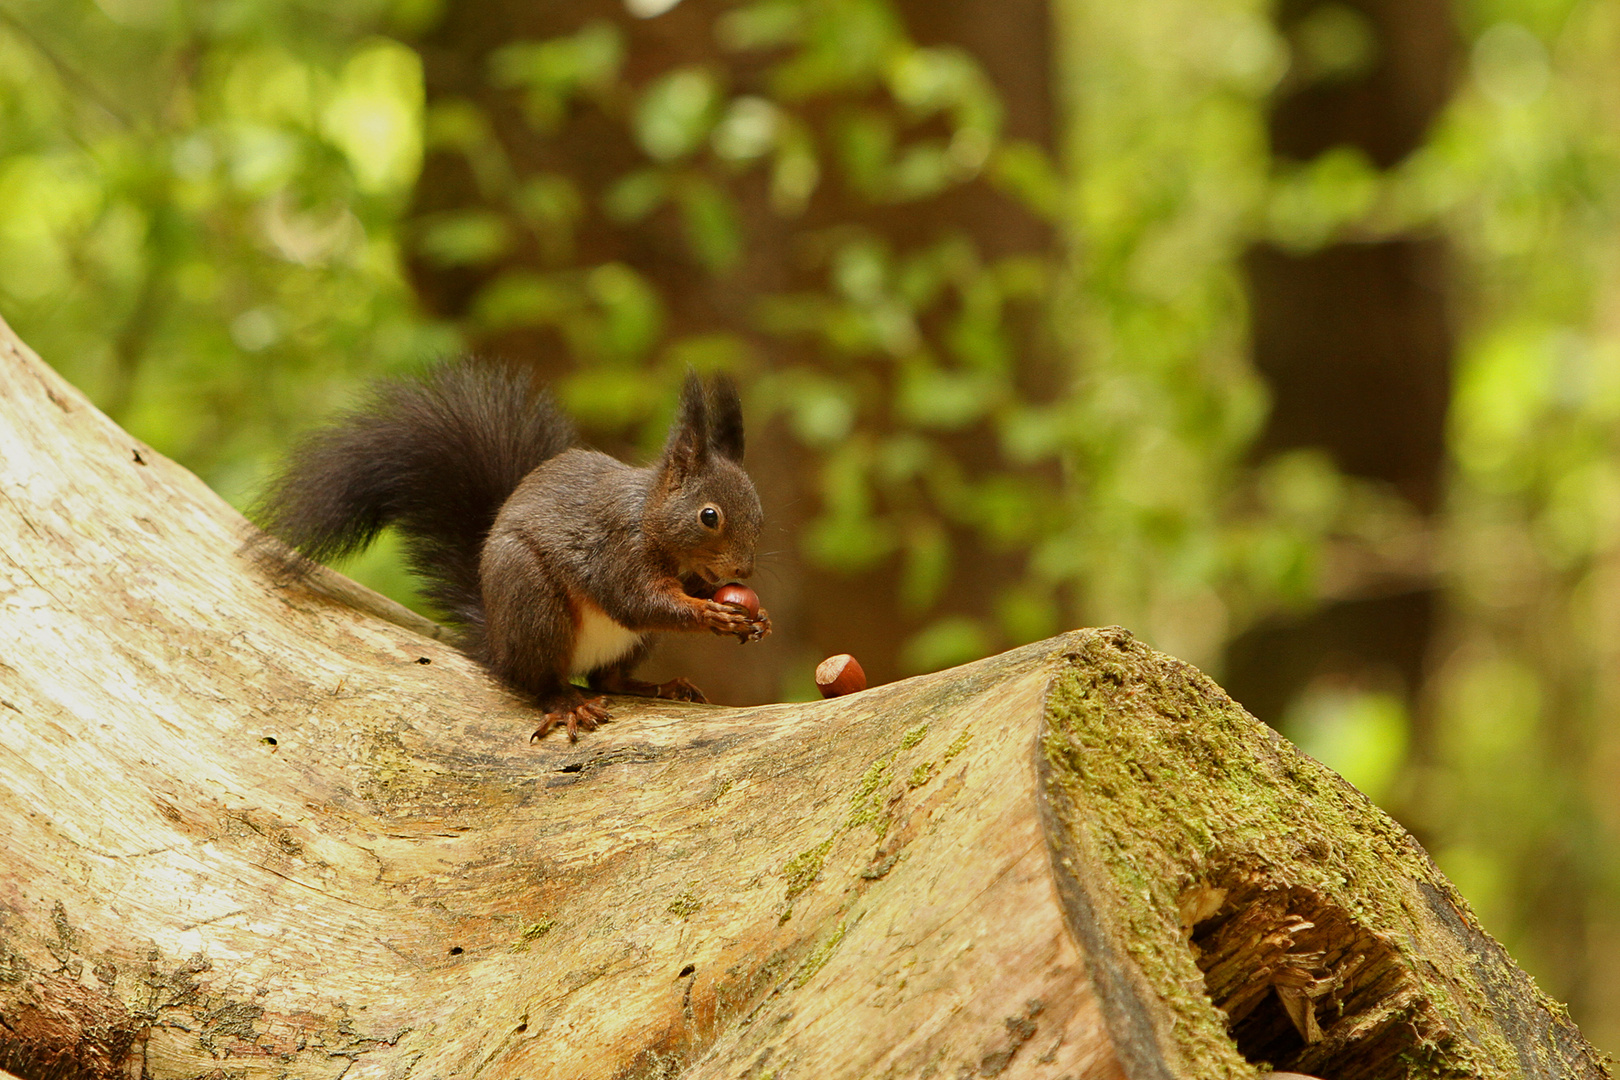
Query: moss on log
{"type": "Point", "coordinates": [262, 830]}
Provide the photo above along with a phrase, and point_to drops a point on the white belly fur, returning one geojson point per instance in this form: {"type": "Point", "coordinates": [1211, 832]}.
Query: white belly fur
{"type": "Point", "coordinates": [601, 641]}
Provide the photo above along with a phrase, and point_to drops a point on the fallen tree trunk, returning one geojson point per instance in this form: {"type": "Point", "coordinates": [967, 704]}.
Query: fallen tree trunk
{"type": "Point", "coordinates": [263, 831]}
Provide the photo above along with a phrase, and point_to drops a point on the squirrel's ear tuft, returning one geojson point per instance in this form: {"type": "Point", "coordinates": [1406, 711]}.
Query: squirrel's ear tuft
{"type": "Point", "coordinates": [726, 420]}
{"type": "Point", "coordinates": [687, 450]}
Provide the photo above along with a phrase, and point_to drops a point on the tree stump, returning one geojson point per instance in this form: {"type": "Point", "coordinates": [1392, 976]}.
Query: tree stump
{"type": "Point", "coordinates": [258, 829]}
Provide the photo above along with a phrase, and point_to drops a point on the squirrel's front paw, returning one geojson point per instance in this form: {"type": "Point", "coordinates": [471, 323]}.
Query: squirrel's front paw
{"type": "Point", "coordinates": [725, 618]}
{"type": "Point", "coordinates": [736, 621]}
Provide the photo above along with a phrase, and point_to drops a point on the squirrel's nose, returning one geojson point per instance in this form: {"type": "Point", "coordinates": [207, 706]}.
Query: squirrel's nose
{"type": "Point", "coordinates": [742, 569]}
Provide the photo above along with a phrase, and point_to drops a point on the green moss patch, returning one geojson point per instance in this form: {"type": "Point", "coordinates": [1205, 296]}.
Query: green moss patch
{"type": "Point", "coordinates": [1214, 858]}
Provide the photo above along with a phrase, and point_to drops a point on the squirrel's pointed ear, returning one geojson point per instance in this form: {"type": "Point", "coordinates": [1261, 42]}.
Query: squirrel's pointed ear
{"type": "Point", "coordinates": [726, 420]}
{"type": "Point", "coordinates": [688, 447]}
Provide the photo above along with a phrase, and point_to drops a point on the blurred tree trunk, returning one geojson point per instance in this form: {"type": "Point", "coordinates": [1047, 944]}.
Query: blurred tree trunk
{"type": "Point", "coordinates": [817, 610]}
{"type": "Point", "coordinates": [1354, 340]}
{"type": "Point", "coordinates": [254, 830]}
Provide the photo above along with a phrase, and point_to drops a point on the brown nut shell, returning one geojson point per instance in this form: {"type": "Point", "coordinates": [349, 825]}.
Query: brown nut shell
{"type": "Point", "coordinates": [741, 595]}
{"type": "Point", "coordinates": [839, 675]}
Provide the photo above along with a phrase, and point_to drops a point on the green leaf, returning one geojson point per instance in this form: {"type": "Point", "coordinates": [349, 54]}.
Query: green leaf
{"type": "Point", "coordinates": [1334, 43]}
{"type": "Point", "coordinates": [1310, 204]}
{"type": "Point", "coordinates": [464, 237]}
{"type": "Point", "coordinates": [904, 456]}
{"type": "Point", "coordinates": [848, 535]}
{"type": "Point", "coordinates": [796, 172]}
{"type": "Point", "coordinates": [976, 336]}
{"type": "Point", "coordinates": [712, 229]}
{"type": "Point", "coordinates": [636, 195]}
{"type": "Point", "coordinates": [763, 24]}
{"type": "Point", "coordinates": [559, 65]}
{"type": "Point", "coordinates": [676, 112]}
{"type": "Point", "coordinates": [524, 298]}
{"type": "Point", "coordinates": [922, 169]}
{"type": "Point", "coordinates": [550, 201]}
{"type": "Point", "coordinates": [1008, 510]}
{"type": "Point", "coordinates": [748, 130]}
{"type": "Point", "coordinates": [931, 397]}
{"type": "Point", "coordinates": [793, 313]}
{"type": "Point", "coordinates": [1031, 433]}
{"type": "Point", "coordinates": [865, 143]}
{"type": "Point", "coordinates": [860, 270]}
{"type": "Point", "coordinates": [849, 544]}
{"type": "Point", "coordinates": [552, 206]}
{"type": "Point", "coordinates": [845, 45]}
{"type": "Point", "coordinates": [632, 311]}
{"type": "Point", "coordinates": [926, 80]}
{"type": "Point", "coordinates": [925, 565]}
{"type": "Point", "coordinates": [1023, 169]}
{"type": "Point", "coordinates": [822, 413]}
{"type": "Point", "coordinates": [376, 116]}
{"type": "Point", "coordinates": [1362, 735]}
{"type": "Point", "coordinates": [606, 398]}
{"type": "Point", "coordinates": [552, 71]}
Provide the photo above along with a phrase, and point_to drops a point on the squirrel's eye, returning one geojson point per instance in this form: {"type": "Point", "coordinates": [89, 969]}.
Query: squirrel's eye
{"type": "Point", "coordinates": [710, 517]}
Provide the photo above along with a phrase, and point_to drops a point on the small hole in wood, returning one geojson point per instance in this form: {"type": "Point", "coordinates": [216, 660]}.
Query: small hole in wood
{"type": "Point", "coordinates": [521, 1028]}
{"type": "Point", "coordinates": [423, 660]}
{"type": "Point", "coordinates": [577, 766]}
{"type": "Point", "coordinates": [1307, 988]}
{"type": "Point", "coordinates": [269, 740]}
{"type": "Point", "coordinates": [687, 970]}
{"type": "Point", "coordinates": [455, 950]}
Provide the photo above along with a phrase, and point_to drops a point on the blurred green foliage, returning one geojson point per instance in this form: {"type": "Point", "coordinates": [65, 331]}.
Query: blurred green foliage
{"type": "Point", "coordinates": [199, 207]}
{"type": "Point", "coordinates": [204, 219]}
{"type": "Point", "coordinates": [1163, 527]}
{"type": "Point", "coordinates": [1525, 177]}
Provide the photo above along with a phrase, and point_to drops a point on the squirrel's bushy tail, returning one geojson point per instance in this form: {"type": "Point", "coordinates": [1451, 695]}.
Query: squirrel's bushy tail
{"type": "Point", "coordinates": [435, 455]}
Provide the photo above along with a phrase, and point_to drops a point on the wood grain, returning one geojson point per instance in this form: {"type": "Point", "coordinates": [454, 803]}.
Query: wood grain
{"type": "Point", "coordinates": [264, 829]}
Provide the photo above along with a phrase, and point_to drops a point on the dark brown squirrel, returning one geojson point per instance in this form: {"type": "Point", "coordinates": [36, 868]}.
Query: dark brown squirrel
{"type": "Point", "coordinates": [554, 560]}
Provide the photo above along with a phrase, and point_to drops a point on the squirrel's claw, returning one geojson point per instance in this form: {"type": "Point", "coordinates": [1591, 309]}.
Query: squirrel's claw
{"type": "Point", "coordinates": [757, 628]}
{"type": "Point", "coordinates": [728, 619]}
{"type": "Point", "coordinates": [586, 714]}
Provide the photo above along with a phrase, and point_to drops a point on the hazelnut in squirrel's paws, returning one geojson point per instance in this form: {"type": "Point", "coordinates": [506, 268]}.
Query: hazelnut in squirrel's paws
{"type": "Point", "coordinates": [740, 595]}
{"type": "Point", "coordinates": [558, 561]}
{"type": "Point", "coordinates": [747, 600]}
{"type": "Point", "coordinates": [840, 675]}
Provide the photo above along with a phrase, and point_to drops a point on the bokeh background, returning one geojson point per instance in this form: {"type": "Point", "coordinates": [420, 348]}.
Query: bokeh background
{"type": "Point", "coordinates": [1285, 334]}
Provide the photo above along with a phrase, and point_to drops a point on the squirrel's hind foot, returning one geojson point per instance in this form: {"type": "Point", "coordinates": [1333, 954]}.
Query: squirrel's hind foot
{"type": "Point", "coordinates": [676, 689]}
{"type": "Point", "coordinates": [679, 689]}
{"type": "Point", "coordinates": [581, 714]}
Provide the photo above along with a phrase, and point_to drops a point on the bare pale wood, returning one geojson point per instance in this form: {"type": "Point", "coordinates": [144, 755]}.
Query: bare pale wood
{"type": "Point", "coordinates": [251, 828]}
{"type": "Point", "coordinates": [269, 830]}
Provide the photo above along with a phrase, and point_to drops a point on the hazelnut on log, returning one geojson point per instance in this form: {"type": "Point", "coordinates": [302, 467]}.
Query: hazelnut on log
{"type": "Point", "coordinates": [740, 595]}
{"type": "Point", "coordinates": [839, 675]}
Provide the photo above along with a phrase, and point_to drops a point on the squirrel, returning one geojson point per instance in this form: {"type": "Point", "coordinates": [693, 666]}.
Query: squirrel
{"type": "Point", "coordinates": [554, 560]}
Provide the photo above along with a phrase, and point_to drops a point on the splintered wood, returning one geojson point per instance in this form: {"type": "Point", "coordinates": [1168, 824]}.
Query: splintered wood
{"type": "Point", "coordinates": [1283, 963]}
